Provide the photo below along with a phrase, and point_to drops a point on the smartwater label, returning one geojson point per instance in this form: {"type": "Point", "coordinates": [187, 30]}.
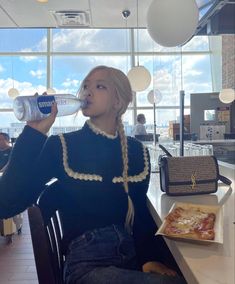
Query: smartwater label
{"type": "Point", "coordinates": [45, 103]}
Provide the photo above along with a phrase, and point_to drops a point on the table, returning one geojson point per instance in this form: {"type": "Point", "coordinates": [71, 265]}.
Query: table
{"type": "Point", "coordinates": [200, 263]}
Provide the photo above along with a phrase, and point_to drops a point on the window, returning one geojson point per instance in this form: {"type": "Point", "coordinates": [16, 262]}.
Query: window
{"type": "Point", "coordinates": [89, 40]}
{"type": "Point", "coordinates": [23, 40]}
{"type": "Point", "coordinates": [36, 64]}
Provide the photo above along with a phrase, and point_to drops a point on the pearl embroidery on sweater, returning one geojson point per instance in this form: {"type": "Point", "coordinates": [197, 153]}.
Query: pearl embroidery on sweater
{"type": "Point", "coordinates": [69, 171]}
{"type": "Point", "coordinates": [92, 177]}
{"type": "Point", "coordinates": [97, 131]}
{"type": "Point", "coordinates": [141, 176]}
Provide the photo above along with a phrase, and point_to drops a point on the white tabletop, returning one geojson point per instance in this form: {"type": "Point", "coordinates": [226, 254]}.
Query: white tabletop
{"type": "Point", "coordinates": [200, 263]}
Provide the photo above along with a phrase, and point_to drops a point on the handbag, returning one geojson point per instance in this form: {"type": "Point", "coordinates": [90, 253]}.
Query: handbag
{"type": "Point", "coordinates": [189, 175]}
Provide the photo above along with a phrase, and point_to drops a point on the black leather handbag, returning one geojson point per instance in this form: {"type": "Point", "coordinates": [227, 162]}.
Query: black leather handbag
{"type": "Point", "coordinates": [189, 175]}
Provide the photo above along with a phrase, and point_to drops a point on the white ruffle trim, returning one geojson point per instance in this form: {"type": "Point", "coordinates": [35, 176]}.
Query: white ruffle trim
{"type": "Point", "coordinates": [139, 177]}
{"type": "Point", "coordinates": [97, 131]}
{"type": "Point", "coordinates": [69, 171]}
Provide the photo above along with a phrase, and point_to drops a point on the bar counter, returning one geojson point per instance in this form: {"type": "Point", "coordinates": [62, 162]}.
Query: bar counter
{"type": "Point", "coordinates": [200, 263]}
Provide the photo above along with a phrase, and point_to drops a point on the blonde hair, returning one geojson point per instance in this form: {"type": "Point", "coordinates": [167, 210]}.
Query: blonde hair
{"type": "Point", "coordinates": [124, 94]}
{"type": "Point", "coordinates": [120, 82]}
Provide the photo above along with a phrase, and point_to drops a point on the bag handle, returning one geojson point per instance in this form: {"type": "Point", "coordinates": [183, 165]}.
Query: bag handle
{"type": "Point", "coordinates": [225, 180]}
{"type": "Point", "coordinates": [165, 150]}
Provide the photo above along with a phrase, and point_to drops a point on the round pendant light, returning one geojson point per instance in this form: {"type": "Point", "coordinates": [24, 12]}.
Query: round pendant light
{"type": "Point", "coordinates": [13, 93]}
{"type": "Point", "coordinates": [154, 96]}
{"type": "Point", "coordinates": [172, 23]}
{"type": "Point", "coordinates": [50, 91]}
{"type": "Point", "coordinates": [139, 78]}
{"type": "Point", "coordinates": [227, 96]}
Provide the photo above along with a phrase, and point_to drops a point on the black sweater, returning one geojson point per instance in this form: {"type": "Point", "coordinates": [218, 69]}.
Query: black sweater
{"type": "Point", "coordinates": [4, 157]}
{"type": "Point", "coordinates": [84, 204]}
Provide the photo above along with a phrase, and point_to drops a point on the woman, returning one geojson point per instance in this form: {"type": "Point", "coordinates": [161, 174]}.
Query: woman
{"type": "Point", "coordinates": [5, 150]}
{"type": "Point", "coordinates": [104, 179]}
{"type": "Point", "coordinates": [139, 128]}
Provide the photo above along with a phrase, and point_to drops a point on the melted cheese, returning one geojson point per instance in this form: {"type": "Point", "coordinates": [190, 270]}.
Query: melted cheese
{"type": "Point", "coordinates": [190, 218]}
{"type": "Point", "coordinates": [187, 222]}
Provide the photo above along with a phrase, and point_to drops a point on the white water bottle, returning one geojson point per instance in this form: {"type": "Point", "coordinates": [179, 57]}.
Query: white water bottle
{"type": "Point", "coordinates": [30, 108]}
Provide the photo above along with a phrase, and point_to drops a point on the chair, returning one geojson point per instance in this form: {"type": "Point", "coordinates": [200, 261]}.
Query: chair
{"type": "Point", "coordinates": [229, 135]}
{"type": "Point", "coordinates": [46, 233]}
{"type": "Point", "coordinates": [146, 137]}
{"type": "Point", "coordinates": [187, 137]}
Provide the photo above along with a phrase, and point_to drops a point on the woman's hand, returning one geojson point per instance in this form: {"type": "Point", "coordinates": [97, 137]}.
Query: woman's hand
{"type": "Point", "coordinates": [44, 125]}
{"type": "Point", "coordinates": [157, 267]}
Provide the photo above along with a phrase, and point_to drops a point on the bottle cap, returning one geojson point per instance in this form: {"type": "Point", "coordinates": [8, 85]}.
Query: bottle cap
{"type": "Point", "coordinates": [19, 108]}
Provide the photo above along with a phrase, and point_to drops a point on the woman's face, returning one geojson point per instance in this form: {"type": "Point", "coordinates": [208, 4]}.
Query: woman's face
{"type": "Point", "coordinates": [101, 96]}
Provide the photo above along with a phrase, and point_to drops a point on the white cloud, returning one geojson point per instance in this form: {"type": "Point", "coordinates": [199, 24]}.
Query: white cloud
{"type": "Point", "coordinates": [71, 83]}
{"type": "Point", "coordinates": [73, 39]}
{"type": "Point", "coordinates": [115, 61]}
{"type": "Point", "coordinates": [27, 58]}
{"type": "Point", "coordinates": [197, 43]}
{"type": "Point", "coordinates": [5, 85]}
{"type": "Point", "coordinates": [1, 68]}
{"type": "Point", "coordinates": [38, 73]}
{"type": "Point", "coordinates": [42, 45]}
{"type": "Point", "coordinates": [25, 88]}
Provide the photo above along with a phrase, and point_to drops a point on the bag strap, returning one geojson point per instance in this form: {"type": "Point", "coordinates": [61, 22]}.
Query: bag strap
{"type": "Point", "coordinates": [225, 180]}
{"type": "Point", "coordinates": [165, 150]}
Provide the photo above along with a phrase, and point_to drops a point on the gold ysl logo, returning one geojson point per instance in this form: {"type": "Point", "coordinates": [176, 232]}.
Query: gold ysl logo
{"type": "Point", "coordinates": [193, 179]}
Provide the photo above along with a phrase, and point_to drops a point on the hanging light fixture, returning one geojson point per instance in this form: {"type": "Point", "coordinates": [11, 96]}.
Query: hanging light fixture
{"type": "Point", "coordinates": [226, 95]}
{"type": "Point", "coordinates": [13, 92]}
{"type": "Point", "coordinates": [154, 96]}
{"type": "Point", "coordinates": [171, 23]}
{"type": "Point", "coordinates": [50, 91]}
{"type": "Point", "coordinates": [182, 95]}
{"type": "Point", "coordinates": [126, 14]}
{"type": "Point", "coordinates": [138, 76]}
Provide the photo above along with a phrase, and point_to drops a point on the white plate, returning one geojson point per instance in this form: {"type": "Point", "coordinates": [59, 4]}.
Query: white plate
{"type": "Point", "coordinates": [217, 210]}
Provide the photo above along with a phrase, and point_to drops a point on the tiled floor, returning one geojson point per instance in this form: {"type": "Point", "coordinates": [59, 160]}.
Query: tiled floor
{"type": "Point", "coordinates": [17, 264]}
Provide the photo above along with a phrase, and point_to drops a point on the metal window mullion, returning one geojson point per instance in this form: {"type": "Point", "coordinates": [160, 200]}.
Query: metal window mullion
{"type": "Point", "coordinates": [42, 53]}
{"type": "Point", "coordinates": [132, 50]}
{"type": "Point", "coordinates": [48, 54]}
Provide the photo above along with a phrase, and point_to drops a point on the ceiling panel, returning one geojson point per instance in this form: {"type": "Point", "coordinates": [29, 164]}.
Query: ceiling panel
{"type": "Point", "coordinates": [106, 13]}
{"type": "Point", "coordinates": [5, 20]}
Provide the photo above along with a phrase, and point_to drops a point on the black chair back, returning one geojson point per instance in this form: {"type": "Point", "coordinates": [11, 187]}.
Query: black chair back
{"type": "Point", "coordinates": [46, 232]}
{"type": "Point", "coordinates": [146, 137]}
{"type": "Point", "coordinates": [229, 135]}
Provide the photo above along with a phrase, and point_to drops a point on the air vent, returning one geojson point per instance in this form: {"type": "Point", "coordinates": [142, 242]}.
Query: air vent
{"type": "Point", "coordinates": [72, 18]}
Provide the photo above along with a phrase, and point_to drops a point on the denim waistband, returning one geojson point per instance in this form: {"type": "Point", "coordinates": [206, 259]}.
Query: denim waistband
{"type": "Point", "coordinates": [115, 230]}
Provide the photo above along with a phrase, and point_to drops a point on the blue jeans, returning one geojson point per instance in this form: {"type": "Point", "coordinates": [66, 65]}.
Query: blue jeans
{"type": "Point", "coordinates": [107, 256]}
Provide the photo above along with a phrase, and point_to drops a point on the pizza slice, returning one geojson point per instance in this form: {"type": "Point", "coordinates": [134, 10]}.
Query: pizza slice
{"type": "Point", "coordinates": [191, 223]}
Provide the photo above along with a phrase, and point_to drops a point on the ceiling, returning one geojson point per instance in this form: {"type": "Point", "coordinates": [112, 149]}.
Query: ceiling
{"type": "Point", "coordinates": [219, 19]}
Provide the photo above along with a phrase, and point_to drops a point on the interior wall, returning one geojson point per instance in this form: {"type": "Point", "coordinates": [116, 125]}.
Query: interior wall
{"type": "Point", "coordinates": [204, 101]}
{"type": "Point", "coordinates": [228, 61]}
